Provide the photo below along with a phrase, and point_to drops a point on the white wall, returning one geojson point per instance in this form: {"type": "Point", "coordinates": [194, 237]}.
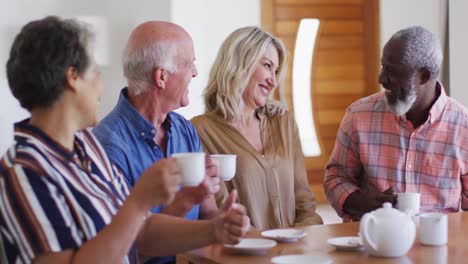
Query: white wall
{"type": "Point", "coordinates": [209, 22]}
{"type": "Point", "coordinates": [121, 16]}
{"type": "Point", "coordinates": [458, 50]}
{"type": "Point", "coordinates": [399, 14]}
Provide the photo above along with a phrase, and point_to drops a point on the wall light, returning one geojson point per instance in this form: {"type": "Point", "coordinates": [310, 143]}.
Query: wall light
{"type": "Point", "coordinates": [301, 83]}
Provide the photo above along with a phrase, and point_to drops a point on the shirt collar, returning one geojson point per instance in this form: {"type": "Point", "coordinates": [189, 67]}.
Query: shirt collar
{"type": "Point", "coordinates": [23, 127]}
{"type": "Point", "coordinates": [439, 105]}
{"type": "Point", "coordinates": [142, 126]}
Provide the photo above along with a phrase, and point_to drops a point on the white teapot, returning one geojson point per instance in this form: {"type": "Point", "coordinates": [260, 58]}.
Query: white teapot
{"type": "Point", "coordinates": [387, 232]}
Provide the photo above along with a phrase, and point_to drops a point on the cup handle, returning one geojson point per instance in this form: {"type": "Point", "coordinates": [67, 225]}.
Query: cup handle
{"type": "Point", "coordinates": [366, 219]}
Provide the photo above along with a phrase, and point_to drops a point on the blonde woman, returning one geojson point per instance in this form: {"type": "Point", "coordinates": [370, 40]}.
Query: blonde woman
{"type": "Point", "coordinates": [241, 118]}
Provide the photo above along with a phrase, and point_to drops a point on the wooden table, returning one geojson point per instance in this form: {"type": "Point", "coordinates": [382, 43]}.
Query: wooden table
{"type": "Point", "coordinates": [315, 243]}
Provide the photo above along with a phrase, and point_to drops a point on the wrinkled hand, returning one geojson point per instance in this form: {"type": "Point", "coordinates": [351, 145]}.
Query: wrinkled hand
{"type": "Point", "coordinates": [158, 184]}
{"type": "Point", "coordinates": [387, 196]}
{"type": "Point", "coordinates": [359, 203]}
{"type": "Point", "coordinates": [232, 223]}
{"type": "Point", "coordinates": [209, 185]}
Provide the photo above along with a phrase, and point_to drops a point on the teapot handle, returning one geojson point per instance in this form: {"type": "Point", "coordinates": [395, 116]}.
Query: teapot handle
{"type": "Point", "coordinates": [366, 219]}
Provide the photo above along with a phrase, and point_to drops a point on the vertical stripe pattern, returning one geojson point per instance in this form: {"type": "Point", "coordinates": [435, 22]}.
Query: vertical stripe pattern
{"type": "Point", "coordinates": [53, 199]}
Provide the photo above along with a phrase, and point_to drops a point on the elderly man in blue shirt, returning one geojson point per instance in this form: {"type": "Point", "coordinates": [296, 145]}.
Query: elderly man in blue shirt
{"type": "Point", "coordinates": [158, 63]}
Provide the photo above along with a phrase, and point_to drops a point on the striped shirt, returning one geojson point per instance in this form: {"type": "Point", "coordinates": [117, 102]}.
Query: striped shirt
{"type": "Point", "coordinates": [375, 149]}
{"type": "Point", "coordinates": [49, 202]}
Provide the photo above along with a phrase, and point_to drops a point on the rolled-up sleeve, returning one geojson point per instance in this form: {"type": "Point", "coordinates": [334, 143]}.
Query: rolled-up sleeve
{"type": "Point", "coordinates": [464, 173]}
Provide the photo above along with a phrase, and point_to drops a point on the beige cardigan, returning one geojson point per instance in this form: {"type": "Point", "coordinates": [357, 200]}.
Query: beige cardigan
{"type": "Point", "coordinates": [274, 187]}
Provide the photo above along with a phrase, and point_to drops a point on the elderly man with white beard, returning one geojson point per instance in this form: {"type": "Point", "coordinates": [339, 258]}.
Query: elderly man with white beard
{"type": "Point", "coordinates": [411, 137]}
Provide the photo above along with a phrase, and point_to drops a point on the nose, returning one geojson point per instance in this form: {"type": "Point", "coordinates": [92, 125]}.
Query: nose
{"type": "Point", "coordinates": [272, 81]}
{"type": "Point", "coordinates": [381, 77]}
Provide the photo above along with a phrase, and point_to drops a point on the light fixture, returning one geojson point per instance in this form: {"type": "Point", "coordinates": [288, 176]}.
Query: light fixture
{"type": "Point", "coordinates": [301, 84]}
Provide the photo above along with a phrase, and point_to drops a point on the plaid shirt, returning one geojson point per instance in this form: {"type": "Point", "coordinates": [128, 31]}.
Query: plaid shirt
{"type": "Point", "coordinates": [376, 149]}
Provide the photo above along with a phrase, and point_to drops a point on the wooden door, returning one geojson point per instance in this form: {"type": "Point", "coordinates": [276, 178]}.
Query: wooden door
{"type": "Point", "coordinates": [345, 62]}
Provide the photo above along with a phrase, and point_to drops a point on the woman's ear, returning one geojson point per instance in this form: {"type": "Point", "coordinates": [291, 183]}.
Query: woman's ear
{"type": "Point", "coordinates": [72, 78]}
{"type": "Point", "coordinates": [160, 77]}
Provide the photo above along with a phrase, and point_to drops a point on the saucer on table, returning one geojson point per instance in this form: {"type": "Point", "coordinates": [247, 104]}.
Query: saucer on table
{"type": "Point", "coordinates": [252, 246]}
{"type": "Point", "coordinates": [284, 235]}
{"type": "Point", "coordinates": [349, 243]}
{"type": "Point", "coordinates": [301, 259]}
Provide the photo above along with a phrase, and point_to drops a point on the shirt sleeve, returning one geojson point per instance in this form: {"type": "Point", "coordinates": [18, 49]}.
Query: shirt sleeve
{"type": "Point", "coordinates": [464, 172]}
{"type": "Point", "coordinates": [344, 169]}
{"type": "Point", "coordinates": [305, 199]}
{"type": "Point", "coordinates": [35, 217]}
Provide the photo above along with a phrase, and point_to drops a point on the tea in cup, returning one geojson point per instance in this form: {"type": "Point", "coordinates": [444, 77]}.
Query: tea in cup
{"type": "Point", "coordinates": [226, 165]}
{"type": "Point", "coordinates": [191, 166]}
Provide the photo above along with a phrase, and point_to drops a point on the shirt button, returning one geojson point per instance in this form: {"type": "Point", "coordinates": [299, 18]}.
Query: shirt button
{"type": "Point", "coordinates": [153, 131]}
{"type": "Point", "coordinates": [142, 134]}
{"type": "Point", "coordinates": [155, 147]}
{"type": "Point", "coordinates": [409, 166]}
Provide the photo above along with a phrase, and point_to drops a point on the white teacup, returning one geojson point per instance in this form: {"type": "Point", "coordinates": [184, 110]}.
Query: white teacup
{"type": "Point", "coordinates": [433, 229]}
{"type": "Point", "coordinates": [408, 202]}
{"type": "Point", "coordinates": [191, 166]}
{"type": "Point", "coordinates": [226, 165]}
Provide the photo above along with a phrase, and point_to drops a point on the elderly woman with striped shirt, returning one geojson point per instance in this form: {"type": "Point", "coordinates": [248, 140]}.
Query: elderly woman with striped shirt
{"type": "Point", "coordinates": [62, 199]}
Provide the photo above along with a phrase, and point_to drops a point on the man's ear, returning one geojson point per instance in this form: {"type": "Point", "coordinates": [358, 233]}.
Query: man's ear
{"type": "Point", "coordinates": [72, 78]}
{"type": "Point", "coordinates": [160, 77]}
{"type": "Point", "coordinates": [425, 75]}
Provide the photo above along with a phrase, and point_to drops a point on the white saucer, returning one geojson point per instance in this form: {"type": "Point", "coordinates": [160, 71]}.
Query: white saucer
{"type": "Point", "coordinates": [284, 235]}
{"type": "Point", "coordinates": [350, 243]}
{"type": "Point", "coordinates": [252, 246]}
{"type": "Point", "coordinates": [300, 259]}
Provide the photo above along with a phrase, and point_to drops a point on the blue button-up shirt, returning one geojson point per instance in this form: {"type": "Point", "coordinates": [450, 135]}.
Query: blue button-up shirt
{"type": "Point", "coordinates": [128, 139]}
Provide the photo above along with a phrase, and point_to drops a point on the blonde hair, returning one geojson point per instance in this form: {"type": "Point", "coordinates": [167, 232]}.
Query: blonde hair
{"type": "Point", "coordinates": [235, 63]}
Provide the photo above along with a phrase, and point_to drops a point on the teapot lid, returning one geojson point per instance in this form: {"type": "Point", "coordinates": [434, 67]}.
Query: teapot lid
{"type": "Point", "coordinates": [387, 210]}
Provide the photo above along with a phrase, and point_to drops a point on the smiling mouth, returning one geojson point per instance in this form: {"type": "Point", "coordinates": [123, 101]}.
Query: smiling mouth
{"type": "Point", "coordinates": [264, 90]}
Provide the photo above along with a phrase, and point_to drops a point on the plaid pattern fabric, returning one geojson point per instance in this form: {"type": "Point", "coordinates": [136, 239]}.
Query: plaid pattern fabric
{"type": "Point", "coordinates": [376, 149]}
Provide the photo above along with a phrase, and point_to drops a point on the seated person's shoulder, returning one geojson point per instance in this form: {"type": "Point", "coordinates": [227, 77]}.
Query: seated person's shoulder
{"type": "Point", "coordinates": [181, 123]}
{"type": "Point", "coordinates": [178, 119]}
{"type": "Point", "coordinates": [286, 117]}
{"type": "Point", "coordinates": [199, 120]}
{"type": "Point", "coordinates": [206, 125]}
{"type": "Point", "coordinates": [23, 157]}
{"type": "Point", "coordinates": [110, 131]}
{"type": "Point", "coordinates": [459, 109]}
{"type": "Point", "coordinates": [374, 102]}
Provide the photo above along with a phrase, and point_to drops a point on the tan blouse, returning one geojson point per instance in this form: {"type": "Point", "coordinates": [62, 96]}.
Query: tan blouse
{"type": "Point", "coordinates": [273, 187]}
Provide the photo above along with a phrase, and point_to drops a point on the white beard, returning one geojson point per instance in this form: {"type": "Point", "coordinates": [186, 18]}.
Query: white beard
{"type": "Point", "coordinates": [401, 107]}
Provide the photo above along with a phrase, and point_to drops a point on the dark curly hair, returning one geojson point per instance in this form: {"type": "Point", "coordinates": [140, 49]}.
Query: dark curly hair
{"type": "Point", "coordinates": [40, 56]}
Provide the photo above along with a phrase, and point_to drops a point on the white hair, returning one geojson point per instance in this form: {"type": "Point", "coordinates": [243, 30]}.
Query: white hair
{"type": "Point", "coordinates": [421, 49]}
{"type": "Point", "coordinates": [402, 106]}
{"type": "Point", "coordinates": [140, 62]}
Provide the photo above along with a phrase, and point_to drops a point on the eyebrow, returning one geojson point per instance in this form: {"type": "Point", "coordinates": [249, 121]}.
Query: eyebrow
{"type": "Point", "coordinates": [270, 61]}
